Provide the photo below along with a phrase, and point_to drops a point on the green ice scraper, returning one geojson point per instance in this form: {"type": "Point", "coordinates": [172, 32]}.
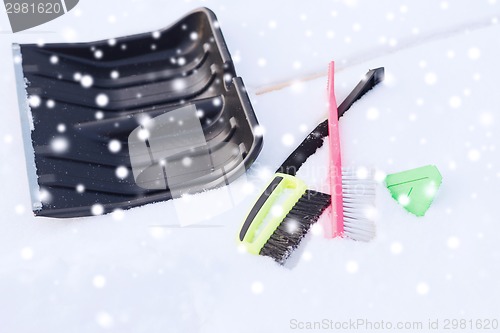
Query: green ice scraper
{"type": "Point", "coordinates": [415, 189]}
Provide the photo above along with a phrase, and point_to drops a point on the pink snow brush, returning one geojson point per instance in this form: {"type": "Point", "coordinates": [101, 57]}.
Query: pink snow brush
{"type": "Point", "coordinates": [352, 193]}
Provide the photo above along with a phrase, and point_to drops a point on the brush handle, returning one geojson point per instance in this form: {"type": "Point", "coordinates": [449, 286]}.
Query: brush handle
{"type": "Point", "coordinates": [336, 226]}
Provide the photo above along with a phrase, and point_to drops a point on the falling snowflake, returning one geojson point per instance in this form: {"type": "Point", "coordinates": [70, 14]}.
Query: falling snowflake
{"type": "Point", "coordinates": [97, 209]}
{"type": "Point", "coordinates": [86, 81]}
{"type": "Point", "coordinates": [362, 173]}
{"type": "Point", "coordinates": [292, 226]}
{"type": "Point", "coordinates": [453, 242]}
{"type": "Point", "coordinates": [396, 248]}
{"type": "Point", "coordinates": [352, 267]}
{"type": "Point", "coordinates": [455, 102]}
{"type": "Point", "coordinates": [121, 172]}
{"type": "Point", "coordinates": [98, 54]}
{"type": "Point", "coordinates": [317, 229]}
{"type": "Point", "coordinates": [193, 35]}
{"type": "Point", "coordinates": [257, 287]}
{"type": "Point", "coordinates": [19, 209]}
{"type": "Point", "coordinates": [114, 146]}
{"type": "Point", "coordinates": [474, 155]}
{"type": "Point", "coordinates": [187, 161]}
{"type": "Point", "coordinates": [473, 53]}
{"type": "Point", "coordinates": [104, 320]}
{"type": "Point", "coordinates": [237, 57]}
{"type": "Point", "coordinates": [44, 195]}
{"type": "Point", "coordinates": [430, 78]}
{"type": "Point", "coordinates": [422, 288]}
{"type": "Point", "coordinates": [297, 86]}
{"type": "Point", "coordinates": [277, 211]}
{"type": "Point", "coordinates": [403, 200]}
{"type": "Point", "coordinates": [59, 144]}
{"type": "Point", "coordinates": [54, 59]}
{"type": "Point", "coordinates": [379, 176]}
{"type": "Point", "coordinates": [143, 134]}
{"type": "Point", "coordinates": [217, 101]}
{"type": "Point", "coordinates": [372, 113]}
{"type": "Point", "coordinates": [486, 118]}
{"type": "Point", "coordinates": [306, 256]}
{"type": "Point", "coordinates": [248, 188]}
{"type": "Point", "coordinates": [288, 139]}
{"type": "Point", "coordinates": [157, 232]}
{"type": "Point", "coordinates": [259, 130]}
{"type": "Point", "coordinates": [80, 188]}
{"type": "Point", "coordinates": [179, 84]}
{"type": "Point", "coordinates": [35, 101]}
{"type": "Point", "coordinates": [50, 103]}
{"type": "Point", "coordinates": [118, 214]}
{"type": "Point", "coordinates": [99, 115]}
{"type": "Point", "coordinates": [102, 100]}
{"type": "Point", "coordinates": [99, 281]}
{"type": "Point", "coordinates": [69, 34]}
{"type": "Point", "coordinates": [27, 253]}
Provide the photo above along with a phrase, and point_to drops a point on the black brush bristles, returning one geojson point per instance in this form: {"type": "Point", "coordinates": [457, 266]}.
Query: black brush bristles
{"type": "Point", "coordinates": [287, 237]}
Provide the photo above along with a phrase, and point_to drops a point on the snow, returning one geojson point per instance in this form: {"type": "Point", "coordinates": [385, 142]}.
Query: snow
{"type": "Point", "coordinates": [35, 101]}
{"type": "Point", "coordinates": [80, 188]}
{"type": "Point", "coordinates": [99, 114]}
{"type": "Point", "coordinates": [101, 100]}
{"type": "Point", "coordinates": [114, 146]}
{"type": "Point", "coordinates": [98, 54]}
{"type": "Point", "coordinates": [115, 74]}
{"type": "Point", "coordinates": [51, 103]}
{"type": "Point", "coordinates": [138, 271]}
{"type": "Point", "coordinates": [121, 172]}
{"type": "Point", "coordinates": [97, 209]}
{"type": "Point", "coordinates": [54, 59]}
{"type": "Point", "coordinates": [59, 144]}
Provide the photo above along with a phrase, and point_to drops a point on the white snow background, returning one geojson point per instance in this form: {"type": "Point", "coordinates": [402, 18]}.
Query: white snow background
{"type": "Point", "coordinates": [138, 272]}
